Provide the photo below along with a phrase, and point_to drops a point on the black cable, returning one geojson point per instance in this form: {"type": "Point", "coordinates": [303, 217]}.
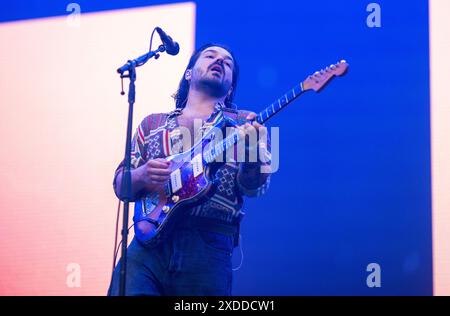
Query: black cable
{"type": "Point", "coordinates": [151, 40]}
{"type": "Point", "coordinates": [115, 242]}
{"type": "Point", "coordinates": [117, 251]}
{"type": "Point", "coordinates": [117, 246]}
{"type": "Point", "coordinates": [115, 237]}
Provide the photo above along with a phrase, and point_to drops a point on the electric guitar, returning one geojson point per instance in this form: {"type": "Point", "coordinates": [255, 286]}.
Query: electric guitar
{"type": "Point", "coordinates": [191, 180]}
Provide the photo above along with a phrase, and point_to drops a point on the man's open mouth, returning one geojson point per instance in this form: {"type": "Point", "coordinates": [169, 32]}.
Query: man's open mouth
{"type": "Point", "coordinates": [217, 69]}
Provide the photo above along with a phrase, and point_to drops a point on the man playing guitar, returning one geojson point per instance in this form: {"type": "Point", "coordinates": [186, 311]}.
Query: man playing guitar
{"type": "Point", "coordinates": [195, 257]}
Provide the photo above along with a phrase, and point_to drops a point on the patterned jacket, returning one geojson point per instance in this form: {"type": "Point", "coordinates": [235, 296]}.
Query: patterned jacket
{"type": "Point", "coordinates": [156, 137]}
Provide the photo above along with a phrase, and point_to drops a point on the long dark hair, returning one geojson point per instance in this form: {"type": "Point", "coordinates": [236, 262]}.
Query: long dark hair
{"type": "Point", "coordinates": [182, 93]}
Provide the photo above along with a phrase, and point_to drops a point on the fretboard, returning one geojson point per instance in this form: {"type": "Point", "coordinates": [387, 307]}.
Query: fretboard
{"type": "Point", "coordinates": [279, 104]}
{"type": "Point", "coordinates": [262, 117]}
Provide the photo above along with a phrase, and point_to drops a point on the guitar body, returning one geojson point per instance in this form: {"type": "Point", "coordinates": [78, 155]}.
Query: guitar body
{"type": "Point", "coordinates": [191, 182]}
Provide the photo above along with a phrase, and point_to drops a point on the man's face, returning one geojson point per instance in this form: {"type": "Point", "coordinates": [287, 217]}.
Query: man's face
{"type": "Point", "coordinates": [213, 71]}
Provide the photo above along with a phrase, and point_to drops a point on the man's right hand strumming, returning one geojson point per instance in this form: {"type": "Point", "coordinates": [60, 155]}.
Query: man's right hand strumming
{"type": "Point", "coordinates": [150, 177]}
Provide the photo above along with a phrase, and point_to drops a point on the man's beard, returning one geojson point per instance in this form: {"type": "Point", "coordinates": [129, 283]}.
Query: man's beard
{"type": "Point", "coordinates": [215, 87]}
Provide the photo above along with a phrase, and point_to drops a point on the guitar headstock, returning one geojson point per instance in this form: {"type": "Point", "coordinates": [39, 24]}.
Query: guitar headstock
{"type": "Point", "coordinates": [320, 78]}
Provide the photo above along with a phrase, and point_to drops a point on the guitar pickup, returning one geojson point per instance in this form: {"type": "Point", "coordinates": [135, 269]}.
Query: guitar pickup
{"type": "Point", "coordinates": [197, 165]}
{"type": "Point", "coordinates": [175, 180]}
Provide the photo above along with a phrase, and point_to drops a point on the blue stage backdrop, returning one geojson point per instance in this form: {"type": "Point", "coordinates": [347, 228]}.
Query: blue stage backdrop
{"type": "Point", "coordinates": [353, 186]}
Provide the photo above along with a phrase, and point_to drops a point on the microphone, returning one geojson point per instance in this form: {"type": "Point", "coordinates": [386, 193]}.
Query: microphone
{"type": "Point", "coordinates": [172, 47]}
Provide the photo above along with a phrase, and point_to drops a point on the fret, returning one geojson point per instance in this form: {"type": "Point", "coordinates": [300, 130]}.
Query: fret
{"type": "Point", "coordinates": [267, 114]}
{"type": "Point", "coordinates": [221, 147]}
{"type": "Point", "coordinates": [279, 105]}
{"type": "Point", "coordinates": [298, 90]}
{"type": "Point", "coordinates": [287, 101]}
{"type": "Point", "coordinates": [293, 93]}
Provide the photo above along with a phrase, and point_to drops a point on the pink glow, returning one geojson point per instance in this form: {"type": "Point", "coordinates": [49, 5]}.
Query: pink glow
{"type": "Point", "coordinates": [62, 125]}
{"type": "Point", "coordinates": [440, 141]}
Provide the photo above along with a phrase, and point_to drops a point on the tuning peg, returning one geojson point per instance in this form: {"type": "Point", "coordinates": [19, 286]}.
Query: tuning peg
{"type": "Point", "coordinates": [332, 66]}
{"type": "Point", "coordinates": [343, 61]}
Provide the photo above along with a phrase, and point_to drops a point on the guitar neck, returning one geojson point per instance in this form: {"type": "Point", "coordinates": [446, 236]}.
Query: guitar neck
{"type": "Point", "coordinates": [279, 104]}
{"type": "Point", "coordinates": [262, 117]}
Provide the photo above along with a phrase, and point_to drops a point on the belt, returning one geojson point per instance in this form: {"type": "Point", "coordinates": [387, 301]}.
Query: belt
{"type": "Point", "coordinates": [208, 224]}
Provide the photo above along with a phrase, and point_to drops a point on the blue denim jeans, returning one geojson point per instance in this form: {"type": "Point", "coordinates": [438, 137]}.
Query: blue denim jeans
{"type": "Point", "coordinates": [192, 261]}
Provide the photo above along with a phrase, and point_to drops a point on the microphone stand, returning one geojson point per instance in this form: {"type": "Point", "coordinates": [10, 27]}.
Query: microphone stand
{"type": "Point", "coordinates": [125, 193]}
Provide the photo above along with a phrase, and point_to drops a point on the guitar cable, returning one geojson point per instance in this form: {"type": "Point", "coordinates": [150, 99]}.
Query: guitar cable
{"type": "Point", "coordinates": [117, 246]}
{"type": "Point", "coordinates": [242, 254]}
{"type": "Point", "coordinates": [115, 237]}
